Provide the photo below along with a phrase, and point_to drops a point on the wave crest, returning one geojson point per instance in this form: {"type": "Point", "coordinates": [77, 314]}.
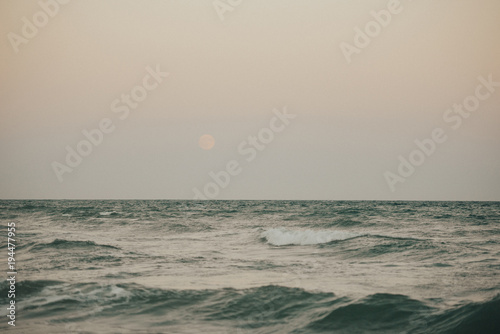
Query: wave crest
{"type": "Point", "coordinates": [282, 237]}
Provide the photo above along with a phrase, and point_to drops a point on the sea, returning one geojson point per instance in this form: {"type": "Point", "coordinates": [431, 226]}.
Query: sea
{"type": "Point", "coordinates": [166, 266]}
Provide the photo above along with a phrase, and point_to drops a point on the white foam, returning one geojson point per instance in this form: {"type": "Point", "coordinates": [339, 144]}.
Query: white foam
{"type": "Point", "coordinates": [106, 213]}
{"type": "Point", "coordinates": [281, 236]}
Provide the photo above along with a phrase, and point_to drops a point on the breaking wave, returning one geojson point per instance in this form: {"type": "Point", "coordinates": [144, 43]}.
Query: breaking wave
{"type": "Point", "coordinates": [282, 237]}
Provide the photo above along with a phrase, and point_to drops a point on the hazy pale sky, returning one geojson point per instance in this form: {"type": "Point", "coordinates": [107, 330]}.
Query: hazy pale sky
{"type": "Point", "coordinates": [232, 68]}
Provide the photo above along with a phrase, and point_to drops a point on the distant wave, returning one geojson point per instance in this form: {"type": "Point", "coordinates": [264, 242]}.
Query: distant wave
{"type": "Point", "coordinates": [108, 213]}
{"type": "Point", "coordinates": [282, 237]}
{"type": "Point", "coordinates": [61, 243]}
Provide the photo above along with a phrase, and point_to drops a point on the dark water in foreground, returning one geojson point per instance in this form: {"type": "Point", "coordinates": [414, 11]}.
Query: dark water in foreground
{"type": "Point", "coordinates": [254, 267]}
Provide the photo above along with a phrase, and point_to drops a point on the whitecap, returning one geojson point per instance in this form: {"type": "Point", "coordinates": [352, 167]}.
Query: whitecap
{"type": "Point", "coordinates": [107, 213]}
{"type": "Point", "coordinates": [281, 236]}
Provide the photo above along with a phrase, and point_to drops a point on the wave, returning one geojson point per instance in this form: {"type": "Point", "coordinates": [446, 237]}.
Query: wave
{"type": "Point", "coordinates": [108, 213]}
{"type": "Point", "coordinates": [479, 317]}
{"type": "Point", "coordinates": [282, 237]}
{"type": "Point", "coordinates": [26, 288]}
{"type": "Point", "coordinates": [265, 309]}
{"type": "Point", "coordinates": [61, 243]}
{"type": "Point", "coordinates": [388, 313]}
{"type": "Point", "coordinates": [376, 313]}
{"type": "Point", "coordinates": [396, 248]}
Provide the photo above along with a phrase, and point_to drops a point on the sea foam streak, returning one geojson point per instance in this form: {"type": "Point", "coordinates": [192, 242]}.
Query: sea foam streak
{"type": "Point", "coordinates": [281, 236]}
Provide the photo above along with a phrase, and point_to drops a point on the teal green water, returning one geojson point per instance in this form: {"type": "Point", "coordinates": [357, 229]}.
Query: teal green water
{"type": "Point", "coordinates": [254, 267]}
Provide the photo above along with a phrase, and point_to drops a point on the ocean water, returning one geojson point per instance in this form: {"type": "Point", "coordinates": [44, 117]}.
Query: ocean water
{"type": "Point", "coordinates": [254, 267]}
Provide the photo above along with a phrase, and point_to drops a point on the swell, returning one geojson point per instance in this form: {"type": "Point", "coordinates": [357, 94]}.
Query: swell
{"type": "Point", "coordinates": [370, 246]}
{"type": "Point", "coordinates": [264, 309]}
{"type": "Point", "coordinates": [66, 244]}
{"type": "Point", "coordinates": [480, 317]}
{"type": "Point", "coordinates": [386, 313]}
{"type": "Point", "coordinates": [26, 288]}
{"type": "Point", "coordinates": [379, 312]}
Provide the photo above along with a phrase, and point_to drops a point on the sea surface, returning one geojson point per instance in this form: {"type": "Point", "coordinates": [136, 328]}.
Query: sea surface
{"type": "Point", "coordinates": [253, 267]}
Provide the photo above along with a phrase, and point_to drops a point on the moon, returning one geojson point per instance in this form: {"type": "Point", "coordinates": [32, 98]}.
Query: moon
{"type": "Point", "coordinates": [206, 142]}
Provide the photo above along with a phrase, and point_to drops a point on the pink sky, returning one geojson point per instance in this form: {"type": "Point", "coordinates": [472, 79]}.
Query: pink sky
{"type": "Point", "coordinates": [353, 120]}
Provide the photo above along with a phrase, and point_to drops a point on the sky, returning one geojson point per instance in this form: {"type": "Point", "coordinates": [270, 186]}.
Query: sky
{"type": "Point", "coordinates": [262, 99]}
